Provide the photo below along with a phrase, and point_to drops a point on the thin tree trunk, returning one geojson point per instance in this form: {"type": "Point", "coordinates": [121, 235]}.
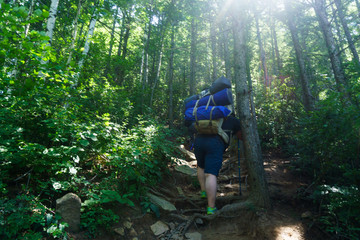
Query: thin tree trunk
{"type": "Point", "coordinates": [307, 97]}
{"type": "Point", "coordinates": [192, 81]}
{"type": "Point", "coordinates": [157, 74]}
{"type": "Point", "coordinates": [50, 25]}
{"type": "Point", "coordinates": [213, 50]}
{"type": "Point", "coordinates": [121, 32]}
{"type": "Point", "coordinates": [259, 194]}
{"type": "Point", "coordinates": [112, 41]}
{"type": "Point", "coordinates": [262, 51]}
{"type": "Point", "coordinates": [171, 77]}
{"type": "Point", "coordinates": [225, 45]}
{"type": "Point", "coordinates": [347, 31]}
{"type": "Point", "coordinates": [339, 41]}
{"type": "Point", "coordinates": [276, 48]}
{"type": "Point", "coordinates": [162, 27]}
{"type": "Point", "coordinates": [87, 44]}
{"type": "Point", "coordinates": [74, 35]}
{"type": "Point", "coordinates": [325, 26]}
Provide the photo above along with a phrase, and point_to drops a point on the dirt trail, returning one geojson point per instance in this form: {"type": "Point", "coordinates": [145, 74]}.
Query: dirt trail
{"type": "Point", "coordinates": [283, 222]}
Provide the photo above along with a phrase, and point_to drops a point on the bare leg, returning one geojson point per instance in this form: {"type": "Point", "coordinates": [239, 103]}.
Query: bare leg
{"type": "Point", "coordinates": [211, 188]}
{"type": "Point", "coordinates": [201, 178]}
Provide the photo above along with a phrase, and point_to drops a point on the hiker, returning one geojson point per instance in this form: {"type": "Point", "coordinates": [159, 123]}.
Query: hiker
{"type": "Point", "coordinates": [209, 151]}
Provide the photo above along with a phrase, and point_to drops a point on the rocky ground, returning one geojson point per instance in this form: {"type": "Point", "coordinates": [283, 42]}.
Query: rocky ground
{"type": "Point", "coordinates": [182, 211]}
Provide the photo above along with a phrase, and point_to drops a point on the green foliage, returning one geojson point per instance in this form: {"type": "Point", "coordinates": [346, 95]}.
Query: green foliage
{"type": "Point", "coordinates": [328, 142]}
{"type": "Point", "coordinates": [341, 207]}
{"type": "Point", "coordinates": [24, 218]}
{"type": "Point", "coordinates": [277, 117]}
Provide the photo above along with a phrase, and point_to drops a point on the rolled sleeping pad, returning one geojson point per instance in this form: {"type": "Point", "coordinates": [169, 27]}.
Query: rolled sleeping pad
{"type": "Point", "coordinates": [220, 84]}
{"type": "Point", "coordinates": [193, 97]}
{"type": "Point", "coordinates": [204, 114]}
{"type": "Point", "coordinates": [221, 98]}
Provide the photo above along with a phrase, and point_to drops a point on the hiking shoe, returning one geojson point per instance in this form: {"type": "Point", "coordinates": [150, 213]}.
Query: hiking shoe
{"type": "Point", "coordinates": [203, 194]}
{"type": "Point", "coordinates": [211, 211]}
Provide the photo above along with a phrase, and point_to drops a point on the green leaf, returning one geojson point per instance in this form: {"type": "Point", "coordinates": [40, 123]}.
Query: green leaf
{"type": "Point", "coordinates": [84, 142]}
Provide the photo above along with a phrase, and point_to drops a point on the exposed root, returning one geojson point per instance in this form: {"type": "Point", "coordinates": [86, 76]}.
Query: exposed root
{"type": "Point", "coordinates": [226, 212]}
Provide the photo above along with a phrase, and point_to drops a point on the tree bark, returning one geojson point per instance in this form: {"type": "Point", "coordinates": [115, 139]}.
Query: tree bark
{"type": "Point", "coordinates": [262, 51]}
{"type": "Point", "coordinates": [162, 27]}
{"type": "Point", "coordinates": [50, 25]}
{"type": "Point", "coordinates": [111, 41]}
{"type": "Point", "coordinates": [307, 97]}
{"type": "Point", "coordinates": [226, 54]}
{"type": "Point", "coordinates": [319, 6]}
{"type": "Point", "coordinates": [276, 48]}
{"type": "Point", "coordinates": [259, 194]}
{"type": "Point", "coordinates": [89, 35]}
{"type": "Point", "coordinates": [193, 57]}
{"type": "Point", "coordinates": [213, 50]}
{"type": "Point", "coordinates": [171, 77]}
{"type": "Point", "coordinates": [74, 35]}
{"type": "Point", "coordinates": [347, 32]}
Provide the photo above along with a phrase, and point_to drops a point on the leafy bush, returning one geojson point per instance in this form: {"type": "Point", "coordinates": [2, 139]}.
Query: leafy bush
{"type": "Point", "coordinates": [341, 210]}
{"type": "Point", "coordinates": [327, 143]}
{"type": "Point", "coordinates": [277, 117]}
{"type": "Point", "coordinates": [24, 218]}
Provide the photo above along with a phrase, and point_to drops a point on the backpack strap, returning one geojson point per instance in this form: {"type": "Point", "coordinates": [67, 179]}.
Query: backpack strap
{"type": "Point", "coordinates": [211, 99]}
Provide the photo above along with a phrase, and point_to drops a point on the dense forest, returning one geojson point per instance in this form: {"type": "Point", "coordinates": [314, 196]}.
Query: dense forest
{"type": "Point", "coordinates": [92, 101]}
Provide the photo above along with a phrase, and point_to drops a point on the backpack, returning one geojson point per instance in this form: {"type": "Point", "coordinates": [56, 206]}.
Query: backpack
{"type": "Point", "coordinates": [209, 108]}
{"type": "Point", "coordinates": [211, 126]}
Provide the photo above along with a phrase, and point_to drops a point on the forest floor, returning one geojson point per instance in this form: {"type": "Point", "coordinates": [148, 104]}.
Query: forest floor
{"type": "Point", "coordinates": [285, 221]}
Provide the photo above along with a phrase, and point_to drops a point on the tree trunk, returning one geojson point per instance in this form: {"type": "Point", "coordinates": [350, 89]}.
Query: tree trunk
{"type": "Point", "coordinates": [74, 35]}
{"type": "Point", "coordinates": [162, 27]}
{"type": "Point", "coordinates": [276, 48]}
{"type": "Point", "coordinates": [259, 194]}
{"type": "Point", "coordinates": [171, 77]}
{"type": "Point", "coordinates": [262, 51]}
{"type": "Point", "coordinates": [226, 54]}
{"type": "Point", "coordinates": [192, 81]}
{"type": "Point", "coordinates": [339, 75]}
{"type": "Point", "coordinates": [213, 50]}
{"type": "Point", "coordinates": [121, 32]}
{"type": "Point", "coordinates": [339, 41]}
{"type": "Point", "coordinates": [347, 32]}
{"type": "Point", "coordinates": [111, 41]}
{"type": "Point", "coordinates": [87, 44]}
{"type": "Point", "coordinates": [50, 25]}
{"type": "Point", "coordinates": [307, 97]}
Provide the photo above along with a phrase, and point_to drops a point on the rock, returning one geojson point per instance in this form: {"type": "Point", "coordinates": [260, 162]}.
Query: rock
{"type": "Point", "coordinates": [162, 203]}
{"type": "Point", "coordinates": [306, 214]}
{"type": "Point", "coordinates": [199, 221]}
{"type": "Point", "coordinates": [186, 170]}
{"type": "Point", "coordinates": [127, 224]}
{"type": "Point", "coordinates": [159, 228]}
{"type": "Point", "coordinates": [172, 225]}
{"type": "Point", "coordinates": [69, 209]}
{"type": "Point", "coordinates": [177, 236]}
{"type": "Point", "coordinates": [186, 152]}
{"type": "Point", "coordinates": [180, 191]}
{"type": "Point", "coordinates": [120, 231]}
{"type": "Point", "coordinates": [193, 236]}
{"type": "Point", "coordinates": [132, 232]}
